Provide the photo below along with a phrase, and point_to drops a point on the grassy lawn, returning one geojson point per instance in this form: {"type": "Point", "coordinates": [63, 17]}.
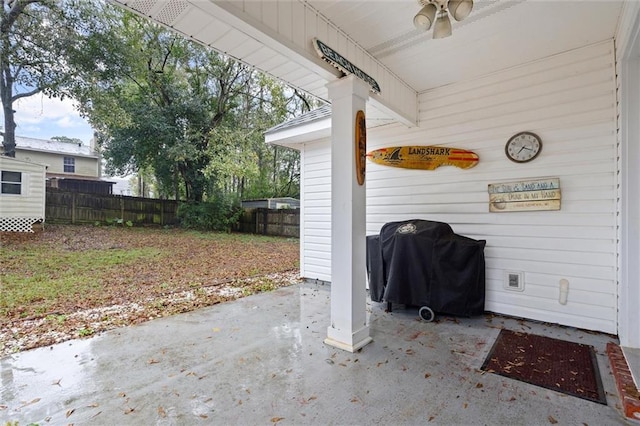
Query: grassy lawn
{"type": "Point", "coordinates": [67, 268]}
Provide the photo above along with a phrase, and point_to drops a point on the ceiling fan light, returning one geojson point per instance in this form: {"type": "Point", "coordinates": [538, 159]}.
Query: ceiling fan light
{"type": "Point", "coordinates": [442, 27]}
{"type": "Point", "coordinates": [460, 9]}
{"type": "Point", "coordinates": [424, 19]}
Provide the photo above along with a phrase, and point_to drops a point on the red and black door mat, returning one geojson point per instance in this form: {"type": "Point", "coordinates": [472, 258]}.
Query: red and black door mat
{"type": "Point", "coordinates": [566, 367]}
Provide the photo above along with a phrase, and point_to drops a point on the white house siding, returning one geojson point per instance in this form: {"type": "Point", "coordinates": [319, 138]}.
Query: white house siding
{"type": "Point", "coordinates": [85, 166]}
{"type": "Point", "coordinates": [568, 100]}
{"type": "Point", "coordinates": [628, 91]}
{"type": "Point", "coordinates": [19, 212]}
{"type": "Point", "coordinates": [315, 223]}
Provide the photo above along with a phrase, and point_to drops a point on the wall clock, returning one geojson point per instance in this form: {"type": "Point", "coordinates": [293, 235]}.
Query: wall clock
{"type": "Point", "coordinates": [523, 147]}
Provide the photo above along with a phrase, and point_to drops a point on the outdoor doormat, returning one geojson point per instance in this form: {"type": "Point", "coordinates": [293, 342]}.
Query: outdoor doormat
{"type": "Point", "coordinates": [566, 367]}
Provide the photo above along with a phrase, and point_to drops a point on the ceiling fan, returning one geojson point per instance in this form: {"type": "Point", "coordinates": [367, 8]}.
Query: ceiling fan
{"type": "Point", "coordinates": [438, 11]}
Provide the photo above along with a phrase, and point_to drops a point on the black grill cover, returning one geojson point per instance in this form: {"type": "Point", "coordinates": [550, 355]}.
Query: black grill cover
{"type": "Point", "coordinates": [424, 263]}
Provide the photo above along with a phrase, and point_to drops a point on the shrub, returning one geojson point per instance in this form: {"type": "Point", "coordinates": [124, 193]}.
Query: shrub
{"type": "Point", "coordinates": [218, 215]}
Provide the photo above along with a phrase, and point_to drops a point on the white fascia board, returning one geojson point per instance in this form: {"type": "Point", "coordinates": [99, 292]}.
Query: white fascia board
{"type": "Point", "coordinates": [67, 154]}
{"type": "Point", "coordinates": [295, 136]}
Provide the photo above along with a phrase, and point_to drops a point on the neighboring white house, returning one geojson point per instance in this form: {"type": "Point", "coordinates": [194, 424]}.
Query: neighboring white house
{"type": "Point", "coordinates": [22, 194]}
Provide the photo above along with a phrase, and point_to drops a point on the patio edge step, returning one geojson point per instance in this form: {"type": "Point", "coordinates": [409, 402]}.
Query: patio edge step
{"type": "Point", "coordinates": [627, 390]}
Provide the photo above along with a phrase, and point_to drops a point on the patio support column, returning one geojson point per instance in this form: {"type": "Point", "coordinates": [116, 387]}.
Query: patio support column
{"type": "Point", "coordinates": [349, 329]}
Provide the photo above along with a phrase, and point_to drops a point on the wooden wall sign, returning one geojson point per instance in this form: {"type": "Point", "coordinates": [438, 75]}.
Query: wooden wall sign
{"type": "Point", "coordinates": [343, 64]}
{"type": "Point", "coordinates": [361, 146]}
{"type": "Point", "coordinates": [423, 157]}
{"type": "Point", "coordinates": [530, 195]}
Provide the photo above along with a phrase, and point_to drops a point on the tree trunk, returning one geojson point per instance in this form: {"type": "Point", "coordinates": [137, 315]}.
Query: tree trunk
{"type": "Point", "coordinates": [6, 93]}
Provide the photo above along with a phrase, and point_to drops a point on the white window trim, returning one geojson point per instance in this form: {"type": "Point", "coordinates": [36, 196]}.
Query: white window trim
{"type": "Point", "coordinates": [24, 177]}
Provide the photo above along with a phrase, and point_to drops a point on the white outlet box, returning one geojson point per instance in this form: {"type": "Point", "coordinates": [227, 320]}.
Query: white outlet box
{"type": "Point", "coordinates": [514, 280]}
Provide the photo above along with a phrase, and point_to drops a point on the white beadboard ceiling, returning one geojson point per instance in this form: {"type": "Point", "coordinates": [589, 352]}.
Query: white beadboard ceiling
{"type": "Point", "coordinates": [378, 36]}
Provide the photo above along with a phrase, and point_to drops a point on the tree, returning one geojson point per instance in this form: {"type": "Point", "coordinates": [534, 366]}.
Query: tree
{"type": "Point", "coordinates": [164, 103]}
{"type": "Point", "coordinates": [33, 61]}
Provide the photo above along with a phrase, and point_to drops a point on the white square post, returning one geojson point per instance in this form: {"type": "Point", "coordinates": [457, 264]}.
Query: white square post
{"type": "Point", "coordinates": [349, 329]}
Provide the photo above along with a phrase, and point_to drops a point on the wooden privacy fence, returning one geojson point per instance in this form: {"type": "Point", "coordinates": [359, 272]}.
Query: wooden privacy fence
{"type": "Point", "coordinates": [283, 222]}
{"type": "Point", "coordinates": [77, 207]}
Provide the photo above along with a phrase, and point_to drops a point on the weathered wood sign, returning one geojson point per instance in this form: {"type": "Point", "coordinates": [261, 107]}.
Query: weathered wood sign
{"type": "Point", "coordinates": [531, 195]}
{"type": "Point", "coordinates": [343, 64]}
{"type": "Point", "coordinates": [423, 157]}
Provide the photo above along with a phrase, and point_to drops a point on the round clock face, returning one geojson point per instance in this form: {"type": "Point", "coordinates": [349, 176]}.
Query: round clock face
{"type": "Point", "coordinates": [523, 147]}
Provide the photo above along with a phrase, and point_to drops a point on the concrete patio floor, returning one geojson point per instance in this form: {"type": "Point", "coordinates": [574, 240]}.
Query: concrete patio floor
{"type": "Point", "coordinates": [261, 360]}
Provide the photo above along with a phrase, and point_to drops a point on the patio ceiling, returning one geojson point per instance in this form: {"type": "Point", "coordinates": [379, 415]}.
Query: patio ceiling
{"type": "Point", "coordinates": [379, 38]}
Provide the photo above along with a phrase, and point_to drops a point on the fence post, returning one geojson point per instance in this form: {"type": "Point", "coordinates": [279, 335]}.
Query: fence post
{"type": "Point", "coordinates": [122, 208]}
{"type": "Point", "coordinates": [73, 207]}
{"type": "Point", "coordinates": [265, 221]}
{"type": "Point", "coordinates": [282, 217]}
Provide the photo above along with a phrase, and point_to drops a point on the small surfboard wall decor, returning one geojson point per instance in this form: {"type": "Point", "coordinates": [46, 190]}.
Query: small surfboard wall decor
{"type": "Point", "coordinates": [361, 146]}
{"type": "Point", "coordinates": [423, 157]}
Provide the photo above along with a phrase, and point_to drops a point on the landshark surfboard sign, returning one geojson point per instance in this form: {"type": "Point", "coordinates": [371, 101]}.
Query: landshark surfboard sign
{"type": "Point", "coordinates": [423, 157]}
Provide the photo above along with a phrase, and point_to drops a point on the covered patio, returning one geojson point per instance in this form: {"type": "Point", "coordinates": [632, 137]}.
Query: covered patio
{"type": "Point", "coordinates": [261, 360]}
{"type": "Point", "coordinates": [565, 71]}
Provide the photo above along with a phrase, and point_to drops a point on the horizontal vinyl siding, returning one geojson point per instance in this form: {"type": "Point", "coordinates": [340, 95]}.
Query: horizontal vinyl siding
{"type": "Point", "coordinates": [31, 202]}
{"type": "Point", "coordinates": [569, 101]}
{"type": "Point", "coordinates": [315, 226]}
{"type": "Point", "coordinates": [55, 162]}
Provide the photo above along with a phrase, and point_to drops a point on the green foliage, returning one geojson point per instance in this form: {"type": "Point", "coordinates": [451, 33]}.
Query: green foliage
{"type": "Point", "coordinates": [59, 319]}
{"type": "Point", "coordinates": [218, 215]}
{"type": "Point", "coordinates": [85, 331]}
{"type": "Point", "coordinates": [36, 61]}
{"type": "Point", "coordinates": [165, 105]}
{"type": "Point", "coordinates": [190, 120]}
{"type": "Point", "coordinates": [115, 221]}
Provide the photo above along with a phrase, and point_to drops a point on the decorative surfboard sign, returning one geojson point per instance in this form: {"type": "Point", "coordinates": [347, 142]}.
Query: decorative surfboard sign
{"type": "Point", "coordinates": [361, 146]}
{"type": "Point", "coordinates": [343, 64]}
{"type": "Point", "coordinates": [423, 157]}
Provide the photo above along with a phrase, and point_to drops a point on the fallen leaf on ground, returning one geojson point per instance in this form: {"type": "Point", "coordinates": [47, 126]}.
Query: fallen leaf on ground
{"type": "Point", "coordinates": [552, 420]}
{"type": "Point", "coordinates": [162, 412]}
{"type": "Point", "coordinates": [33, 401]}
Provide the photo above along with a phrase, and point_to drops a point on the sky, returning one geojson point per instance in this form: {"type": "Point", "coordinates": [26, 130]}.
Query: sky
{"type": "Point", "coordinates": [43, 118]}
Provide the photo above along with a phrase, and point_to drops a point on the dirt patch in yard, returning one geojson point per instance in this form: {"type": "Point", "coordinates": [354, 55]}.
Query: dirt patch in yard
{"type": "Point", "coordinates": [75, 281]}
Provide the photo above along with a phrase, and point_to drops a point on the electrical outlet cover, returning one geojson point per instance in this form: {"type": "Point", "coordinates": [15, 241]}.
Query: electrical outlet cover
{"type": "Point", "coordinates": [514, 280]}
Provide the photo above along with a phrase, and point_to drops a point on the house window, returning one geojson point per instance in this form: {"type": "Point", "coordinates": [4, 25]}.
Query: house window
{"type": "Point", "coordinates": [11, 182]}
{"type": "Point", "coordinates": [69, 165]}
